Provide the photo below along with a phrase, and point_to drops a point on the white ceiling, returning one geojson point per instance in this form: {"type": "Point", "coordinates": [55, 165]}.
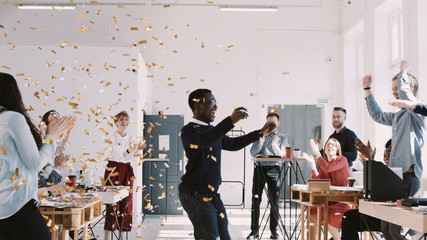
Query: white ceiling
{"type": "Point", "coordinates": [279, 3]}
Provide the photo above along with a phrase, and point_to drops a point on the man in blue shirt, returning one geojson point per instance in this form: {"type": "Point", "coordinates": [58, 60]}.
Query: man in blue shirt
{"type": "Point", "coordinates": [267, 172]}
{"type": "Point", "coordinates": [407, 135]}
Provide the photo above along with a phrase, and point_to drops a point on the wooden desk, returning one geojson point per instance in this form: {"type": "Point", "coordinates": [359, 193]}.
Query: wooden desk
{"type": "Point", "coordinates": [72, 218]}
{"type": "Point", "coordinates": [308, 199]}
{"type": "Point", "coordinates": [402, 216]}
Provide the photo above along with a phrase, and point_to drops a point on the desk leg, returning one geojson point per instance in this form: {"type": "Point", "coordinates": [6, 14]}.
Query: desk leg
{"type": "Point", "coordinates": [302, 222]}
{"type": "Point", "coordinates": [319, 224]}
{"type": "Point", "coordinates": [64, 235]}
{"type": "Point", "coordinates": [325, 220]}
{"type": "Point", "coordinates": [84, 233]}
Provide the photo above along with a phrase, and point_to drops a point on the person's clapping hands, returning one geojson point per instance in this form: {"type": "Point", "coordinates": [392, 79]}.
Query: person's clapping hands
{"type": "Point", "coordinates": [142, 145]}
{"type": "Point", "coordinates": [310, 160]}
{"type": "Point", "coordinates": [365, 150]}
{"type": "Point", "coordinates": [61, 160]}
{"type": "Point", "coordinates": [60, 126]}
{"type": "Point", "coordinates": [239, 114]}
{"type": "Point", "coordinates": [315, 147]}
{"type": "Point", "coordinates": [268, 128]}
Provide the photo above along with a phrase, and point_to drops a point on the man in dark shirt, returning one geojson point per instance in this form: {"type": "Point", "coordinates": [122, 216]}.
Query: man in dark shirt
{"type": "Point", "coordinates": [345, 136]}
{"type": "Point", "coordinates": [203, 144]}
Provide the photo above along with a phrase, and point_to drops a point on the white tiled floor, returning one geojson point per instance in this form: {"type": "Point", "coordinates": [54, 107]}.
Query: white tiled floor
{"type": "Point", "coordinates": [179, 227]}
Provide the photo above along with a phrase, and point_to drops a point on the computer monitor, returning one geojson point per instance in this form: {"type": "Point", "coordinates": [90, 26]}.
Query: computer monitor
{"type": "Point", "coordinates": [380, 182]}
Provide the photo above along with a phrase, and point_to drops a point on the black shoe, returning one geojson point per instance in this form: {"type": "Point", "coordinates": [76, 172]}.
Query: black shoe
{"type": "Point", "coordinates": [274, 235]}
{"type": "Point", "coordinates": [253, 235]}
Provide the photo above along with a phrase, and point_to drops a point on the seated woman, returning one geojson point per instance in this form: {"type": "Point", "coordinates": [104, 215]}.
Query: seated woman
{"type": "Point", "coordinates": [50, 175]}
{"type": "Point", "coordinates": [335, 168]}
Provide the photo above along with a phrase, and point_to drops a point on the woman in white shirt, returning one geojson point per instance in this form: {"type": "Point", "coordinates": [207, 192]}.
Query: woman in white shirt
{"type": "Point", "coordinates": [119, 172]}
{"type": "Point", "coordinates": [23, 153]}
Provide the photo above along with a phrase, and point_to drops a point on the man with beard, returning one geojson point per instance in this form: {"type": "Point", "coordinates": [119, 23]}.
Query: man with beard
{"type": "Point", "coordinates": [203, 143]}
{"type": "Point", "coordinates": [345, 136]}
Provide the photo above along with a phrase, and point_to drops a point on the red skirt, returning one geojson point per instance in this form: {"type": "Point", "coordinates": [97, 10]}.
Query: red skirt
{"type": "Point", "coordinates": [122, 211]}
{"type": "Point", "coordinates": [335, 213]}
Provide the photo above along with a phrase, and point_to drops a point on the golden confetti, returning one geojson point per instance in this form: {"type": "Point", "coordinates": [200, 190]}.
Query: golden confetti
{"type": "Point", "coordinates": [113, 174]}
{"type": "Point", "coordinates": [16, 188]}
{"type": "Point", "coordinates": [210, 2]}
{"type": "Point", "coordinates": [222, 215]}
{"type": "Point", "coordinates": [32, 28]}
{"type": "Point", "coordinates": [23, 181]}
{"type": "Point", "coordinates": [148, 28]}
{"type": "Point", "coordinates": [120, 6]}
{"type": "Point", "coordinates": [47, 140]}
{"type": "Point", "coordinates": [74, 105]}
{"type": "Point", "coordinates": [206, 199]}
{"type": "Point", "coordinates": [81, 16]}
{"type": "Point", "coordinates": [76, 47]}
{"type": "Point", "coordinates": [133, 28]}
{"type": "Point", "coordinates": [115, 19]}
{"type": "Point", "coordinates": [230, 46]}
{"type": "Point", "coordinates": [3, 150]}
{"type": "Point", "coordinates": [211, 187]}
{"type": "Point", "coordinates": [6, 67]}
{"type": "Point", "coordinates": [86, 132]}
{"type": "Point", "coordinates": [151, 178]}
{"type": "Point", "coordinates": [83, 29]}
{"type": "Point", "coordinates": [93, 2]}
{"type": "Point", "coordinates": [63, 44]}
{"type": "Point", "coordinates": [1, 26]}
{"type": "Point", "coordinates": [37, 95]}
{"type": "Point", "coordinates": [213, 158]}
{"type": "Point", "coordinates": [150, 76]}
{"type": "Point", "coordinates": [194, 146]}
{"type": "Point", "coordinates": [15, 175]}
{"type": "Point", "coordinates": [166, 5]}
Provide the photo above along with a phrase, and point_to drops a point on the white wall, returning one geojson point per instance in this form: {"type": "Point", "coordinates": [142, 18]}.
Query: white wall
{"type": "Point", "coordinates": [96, 79]}
{"type": "Point", "coordinates": [375, 17]}
{"type": "Point", "coordinates": [242, 62]}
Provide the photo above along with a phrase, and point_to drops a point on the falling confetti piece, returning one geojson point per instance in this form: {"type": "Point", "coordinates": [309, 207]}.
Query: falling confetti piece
{"type": "Point", "coordinates": [115, 19]}
{"type": "Point", "coordinates": [133, 28]}
{"type": "Point", "coordinates": [142, 42]}
{"type": "Point", "coordinates": [213, 158]}
{"type": "Point", "coordinates": [113, 174]}
{"type": "Point", "coordinates": [222, 215]}
{"type": "Point", "coordinates": [151, 178]}
{"type": "Point", "coordinates": [47, 140]}
{"type": "Point", "coordinates": [194, 146]}
{"type": "Point", "coordinates": [81, 16]}
{"type": "Point", "coordinates": [15, 175]}
{"type": "Point", "coordinates": [120, 6]}
{"type": "Point", "coordinates": [3, 150]}
{"type": "Point", "coordinates": [6, 67]}
{"type": "Point", "coordinates": [211, 187]}
{"type": "Point", "coordinates": [206, 199]}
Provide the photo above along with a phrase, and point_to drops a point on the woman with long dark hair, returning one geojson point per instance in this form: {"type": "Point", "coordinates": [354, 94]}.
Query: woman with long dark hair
{"type": "Point", "coordinates": [23, 153]}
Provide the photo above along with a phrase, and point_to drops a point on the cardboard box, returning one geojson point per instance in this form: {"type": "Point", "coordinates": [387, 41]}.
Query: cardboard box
{"type": "Point", "coordinates": [319, 184]}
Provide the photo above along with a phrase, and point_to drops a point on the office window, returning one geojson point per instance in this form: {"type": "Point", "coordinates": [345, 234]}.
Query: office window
{"type": "Point", "coordinates": [396, 37]}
